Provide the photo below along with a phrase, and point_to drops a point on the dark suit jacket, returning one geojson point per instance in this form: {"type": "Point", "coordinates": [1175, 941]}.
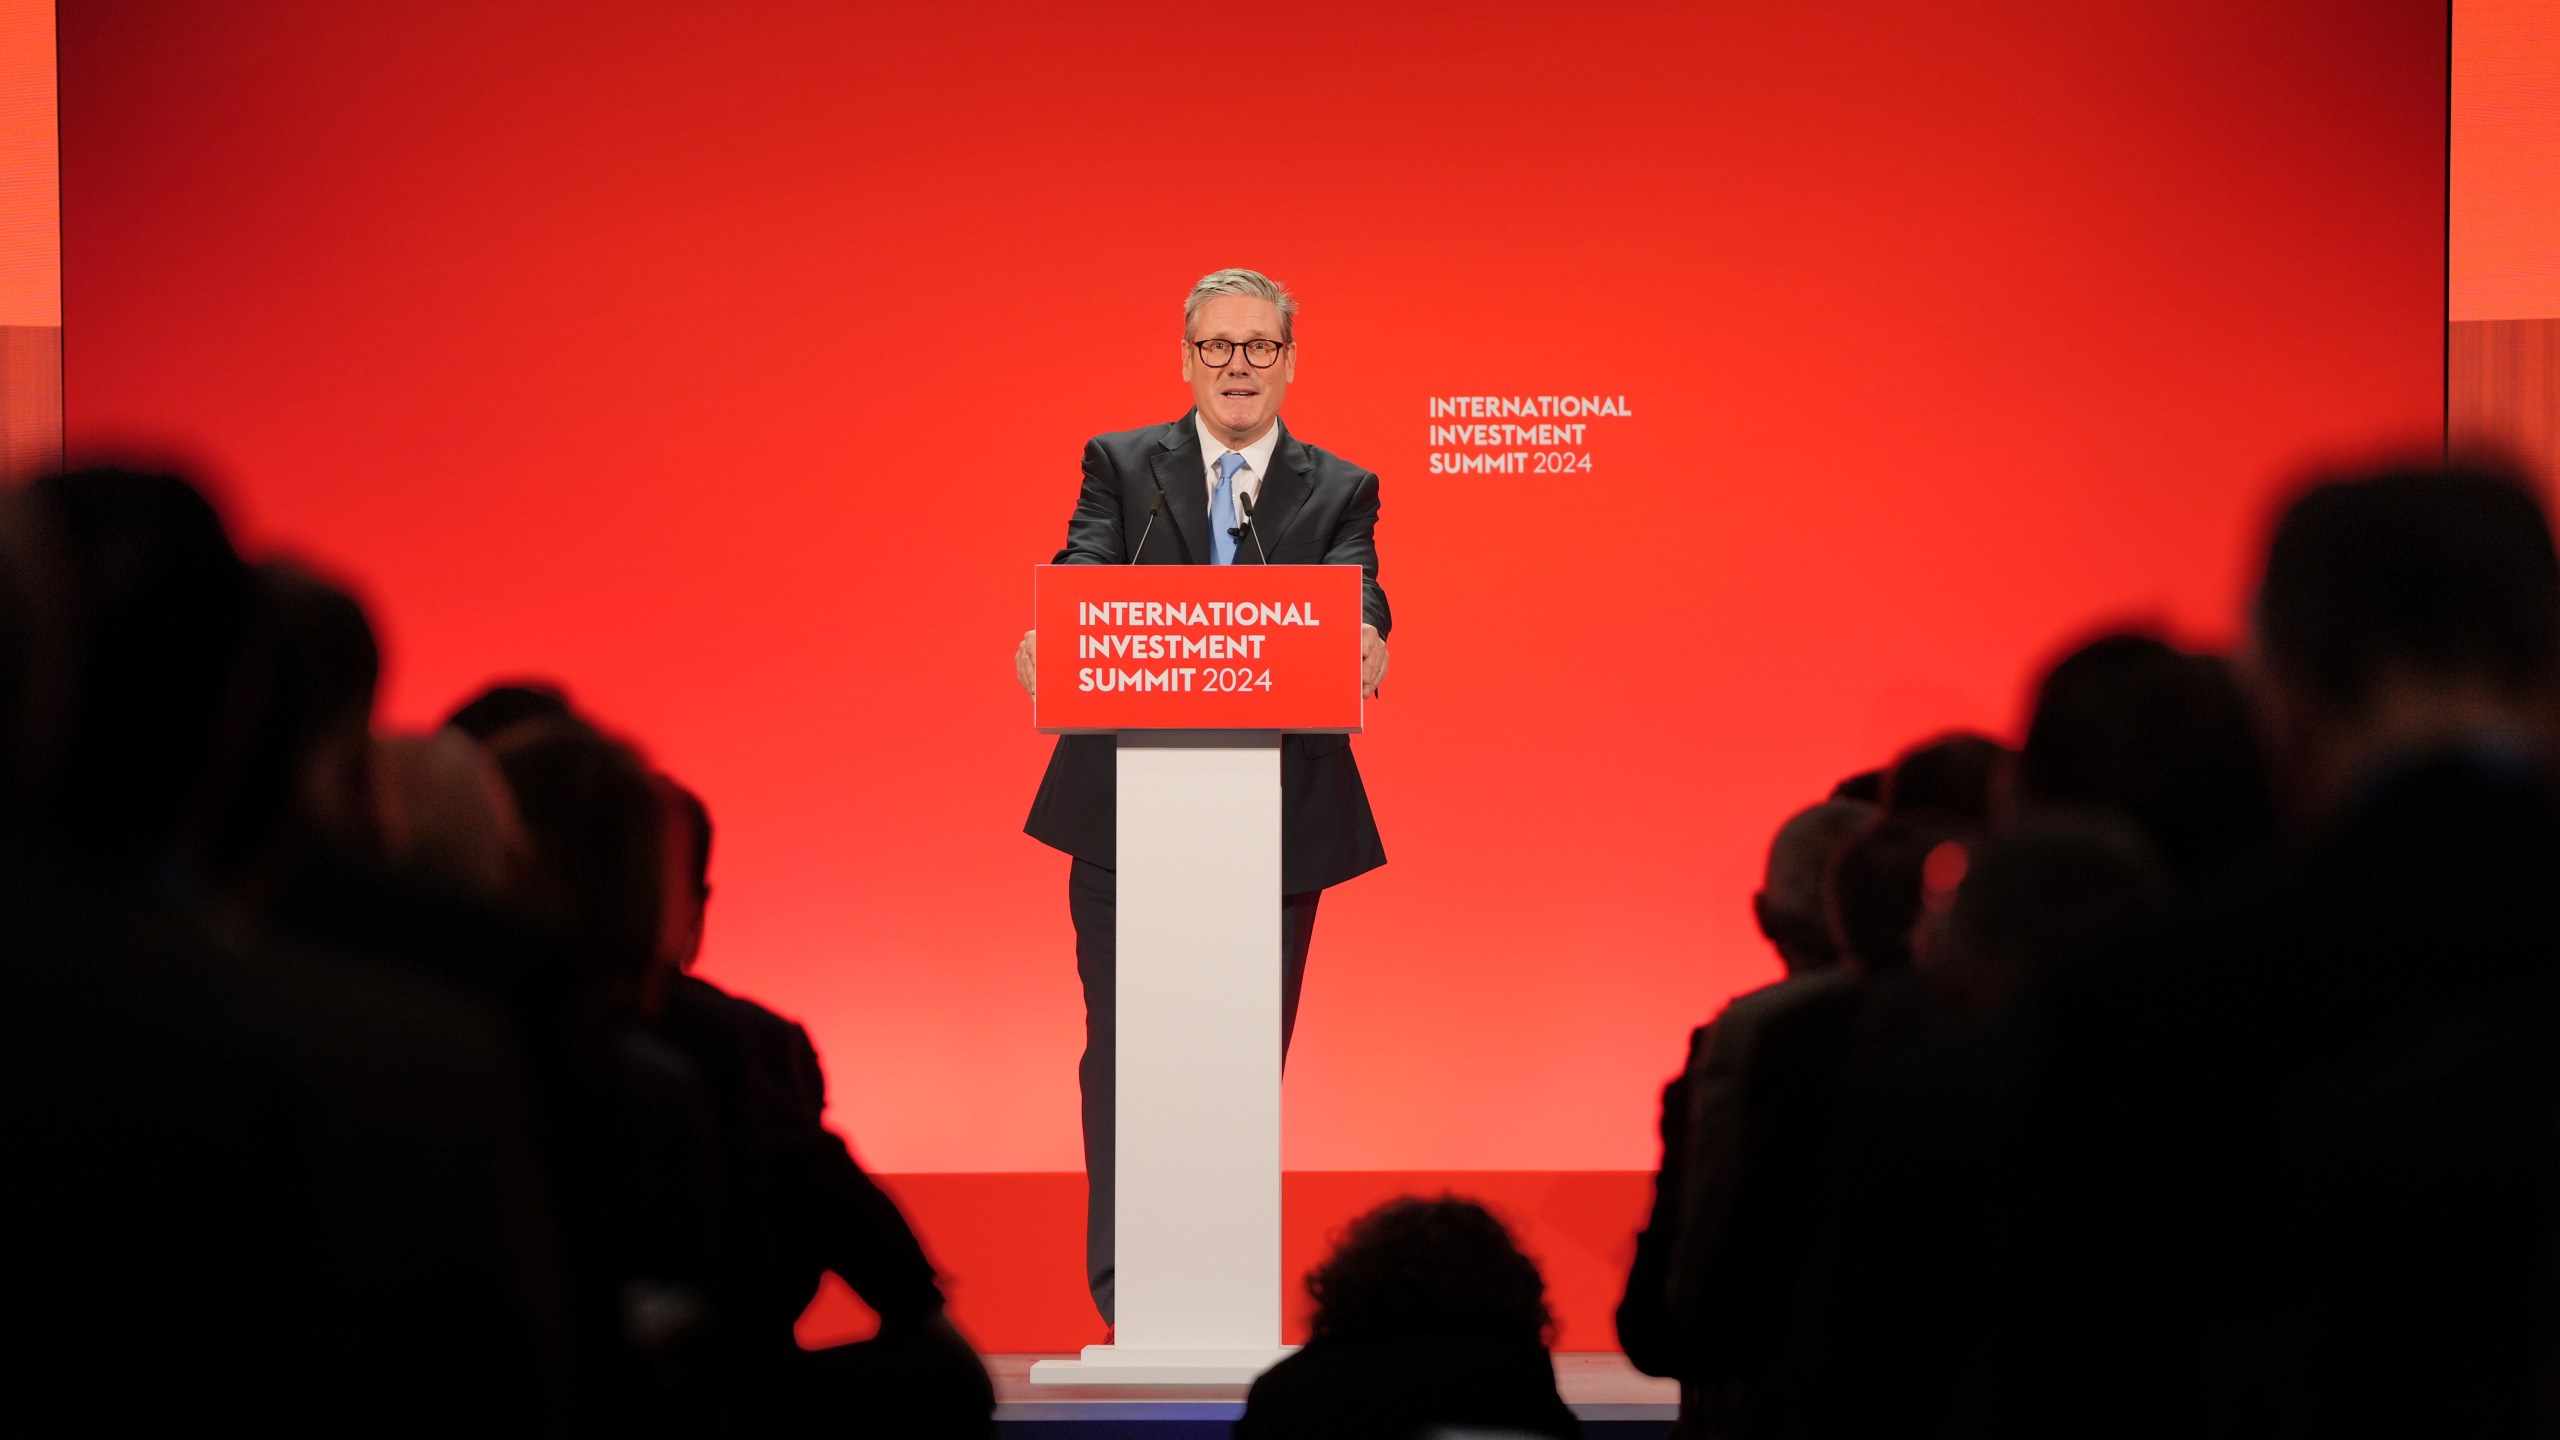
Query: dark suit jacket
{"type": "Point", "coordinates": [1647, 1330]}
{"type": "Point", "coordinates": [1314, 508]}
{"type": "Point", "coordinates": [1766, 1096]}
{"type": "Point", "coordinates": [799, 1203]}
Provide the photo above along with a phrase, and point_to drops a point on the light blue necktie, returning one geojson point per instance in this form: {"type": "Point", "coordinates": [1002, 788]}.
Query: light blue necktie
{"type": "Point", "coordinates": [1222, 510]}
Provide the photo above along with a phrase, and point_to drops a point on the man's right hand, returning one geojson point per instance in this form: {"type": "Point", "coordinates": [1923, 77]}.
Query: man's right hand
{"type": "Point", "coordinates": [1025, 656]}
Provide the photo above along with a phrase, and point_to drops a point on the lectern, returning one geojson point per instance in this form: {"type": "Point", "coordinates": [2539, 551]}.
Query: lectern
{"type": "Point", "coordinates": [1198, 669]}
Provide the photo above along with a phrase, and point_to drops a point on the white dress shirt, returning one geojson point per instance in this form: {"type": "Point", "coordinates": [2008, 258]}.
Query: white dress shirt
{"type": "Point", "coordinates": [1257, 461]}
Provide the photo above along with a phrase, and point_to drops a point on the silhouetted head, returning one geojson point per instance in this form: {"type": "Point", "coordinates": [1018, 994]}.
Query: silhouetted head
{"type": "Point", "coordinates": [2408, 610]}
{"type": "Point", "coordinates": [693, 826]}
{"type": "Point", "coordinates": [1958, 777]}
{"type": "Point", "coordinates": [1421, 1269]}
{"type": "Point", "coordinates": [2130, 727]}
{"type": "Point", "coordinates": [598, 829]}
{"type": "Point", "coordinates": [688, 871]}
{"type": "Point", "coordinates": [1866, 787]}
{"type": "Point", "coordinates": [136, 608]}
{"type": "Point", "coordinates": [506, 704]}
{"type": "Point", "coordinates": [2038, 896]}
{"type": "Point", "coordinates": [1880, 887]}
{"type": "Point", "coordinates": [304, 766]}
{"type": "Point", "coordinates": [1789, 905]}
{"type": "Point", "coordinates": [448, 818]}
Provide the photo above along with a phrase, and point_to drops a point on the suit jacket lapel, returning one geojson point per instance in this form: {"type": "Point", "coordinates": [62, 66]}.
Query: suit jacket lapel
{"type": "Point", "coordinates": [1179, 466]}
{"type": "Point", "coordinates": [1283, 492]}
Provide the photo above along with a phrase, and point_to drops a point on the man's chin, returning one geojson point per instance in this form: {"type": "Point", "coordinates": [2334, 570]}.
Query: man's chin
{"type": "Point", "coordinates": [1236, 420]}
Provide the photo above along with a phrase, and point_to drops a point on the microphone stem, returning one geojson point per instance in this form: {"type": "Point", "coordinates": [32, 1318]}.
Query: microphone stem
{"type": "Point", "coordinates": [1246, 500]}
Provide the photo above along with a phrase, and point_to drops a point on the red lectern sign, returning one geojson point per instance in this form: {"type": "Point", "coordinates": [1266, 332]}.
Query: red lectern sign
{"type": "Point", "coordinates": [1196, 647]}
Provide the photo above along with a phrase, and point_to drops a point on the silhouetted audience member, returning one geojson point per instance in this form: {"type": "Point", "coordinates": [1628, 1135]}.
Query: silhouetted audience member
{"type": "Point", "coordinates": [315, 1182]}
{"type": "Point", "coordinates": [599, 874]}
{"type": "Point", "coordinates": [2129, 726]}
{"type": "Point", "coordinates": [1427, 1316]}
{"type": "Point", "coordinates": [1881, 885]}
{"type": "Point", "coordinates": [799, 1206]}
{"type": "Point", "coordinates": [1767, 1093]}
{"type": "Point", "coordinates": [1789, 907]}
{"type": "Point", "coordinates": [303, 757]}
{"type": "Point", "coordinates": [300, 846]}
{"type": "Point", "coordinates": [447, 818]}
{"type": "Point", "coordinates": [1893, 1309]}
{"type": "Point", "coordinates": [2044, 894]}
{"type": "Point", "coordinates": [402, 851]}
{"type": "Point", "coordinates": [1865, 788]}
{"type": "Point", "coordinates": [507, 704]}
{"type": "Point", "coordinates": [641, 1191]}
{"type": "Point", "coordinates": [1961, 777]}
{"type": "Point", "coordinates": [1790, 910]}
{"type": "Point", "coordinates": [139, 613]}
{"type": "Point", "coordinates": [2131, 745]}
{"type": "Point", "coordinates": [2304, 1158]}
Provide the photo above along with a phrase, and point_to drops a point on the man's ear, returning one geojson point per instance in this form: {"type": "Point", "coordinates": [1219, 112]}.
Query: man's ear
{"type": "Point", "coordinates": [1190, 357]}
{"type": "Point", "coordinates": [1760, 913]}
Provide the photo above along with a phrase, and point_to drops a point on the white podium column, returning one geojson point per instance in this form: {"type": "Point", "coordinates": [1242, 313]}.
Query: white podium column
{"type": "Point", "coordinates": [1197, 1247]}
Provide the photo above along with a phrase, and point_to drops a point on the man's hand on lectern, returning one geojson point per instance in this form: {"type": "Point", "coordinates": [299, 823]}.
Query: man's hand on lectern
{"type": "Point", "coordinates": [1024, 656]}
{"type": "Point", "coordinates": [1373, 661]}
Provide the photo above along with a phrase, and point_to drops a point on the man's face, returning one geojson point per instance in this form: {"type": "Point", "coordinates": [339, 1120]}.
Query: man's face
{"type": "Point", "coordinates": [1238, 401]}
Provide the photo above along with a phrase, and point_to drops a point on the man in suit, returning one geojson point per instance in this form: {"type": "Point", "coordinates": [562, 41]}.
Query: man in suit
{"type": "Point", "coordinates": [1237, 489]}
{"type": "Point", "coordinates": [1790, 911]}
{"type": "Point", "coordinates": [799, 1205]}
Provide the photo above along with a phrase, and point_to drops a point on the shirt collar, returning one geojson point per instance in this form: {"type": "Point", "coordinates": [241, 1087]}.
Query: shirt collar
{"type": "Point", "coordinates": [1257, 456]}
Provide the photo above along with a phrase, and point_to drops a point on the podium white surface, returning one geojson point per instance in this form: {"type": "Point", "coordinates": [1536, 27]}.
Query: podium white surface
{"type": "Point", "coordinates": [1197, 1223]}
{"type": "Point", "coordinates": [1198, 670]}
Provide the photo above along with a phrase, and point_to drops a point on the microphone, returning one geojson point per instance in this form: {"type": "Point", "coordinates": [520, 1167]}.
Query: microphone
{"type": "Point", "coordinates": [1244, 498]}
{"type": "Point", "coordinates": [1155, 507]}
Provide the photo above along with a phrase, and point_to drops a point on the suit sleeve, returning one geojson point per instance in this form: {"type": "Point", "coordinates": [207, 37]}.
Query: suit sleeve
{"type": "Point", "coordinates": [1355, 542]}
{"type": "Point", "coordinates": [1709, 1171]}
{"type": "Point", "coordinates": [1093, 533]}
{"type": "Point", "coordinates": [857, 1232]}
{"type": "Point", "coordinates": [847, 1223]}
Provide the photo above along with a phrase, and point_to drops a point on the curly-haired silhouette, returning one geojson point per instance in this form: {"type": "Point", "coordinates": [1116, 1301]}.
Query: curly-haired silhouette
{"type": "Point", "coordinates": [1426, 1315]}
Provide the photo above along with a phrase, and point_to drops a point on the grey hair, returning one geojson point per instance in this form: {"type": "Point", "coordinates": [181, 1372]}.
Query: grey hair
{"type": "Point", "coordinates": [1243, 282]}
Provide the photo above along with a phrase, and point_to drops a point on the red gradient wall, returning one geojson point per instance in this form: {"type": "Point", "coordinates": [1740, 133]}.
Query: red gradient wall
{"type": "Point", "coordinates": [731, 363]}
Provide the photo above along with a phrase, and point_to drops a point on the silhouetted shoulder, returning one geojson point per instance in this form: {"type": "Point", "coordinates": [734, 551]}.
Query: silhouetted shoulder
{"type": "Point", "coordinates": [1346, 1390]}
{"type": "Point", "coordinates": [771, 1052]}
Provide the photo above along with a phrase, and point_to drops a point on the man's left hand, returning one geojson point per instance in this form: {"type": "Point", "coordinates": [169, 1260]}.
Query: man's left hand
{"type": "Point", "coordinates": [1373, 661]}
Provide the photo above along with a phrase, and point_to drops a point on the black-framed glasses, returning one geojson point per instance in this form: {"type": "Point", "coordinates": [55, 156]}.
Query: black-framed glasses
{"type": "Point", "coordinates": [1260, 354]}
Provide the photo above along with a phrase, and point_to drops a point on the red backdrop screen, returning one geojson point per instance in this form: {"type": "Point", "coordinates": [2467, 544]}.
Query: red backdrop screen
{"type": "Point", "coordinates": [732, 363]}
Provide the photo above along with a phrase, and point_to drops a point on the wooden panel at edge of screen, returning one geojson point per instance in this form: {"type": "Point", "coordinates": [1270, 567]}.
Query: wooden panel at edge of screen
{"type": "Point", "coordinates": [2502, 390]}
{"type": "Point", "coordinates": [30, 400]}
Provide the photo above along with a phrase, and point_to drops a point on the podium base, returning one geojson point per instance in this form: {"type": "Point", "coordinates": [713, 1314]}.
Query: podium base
{"type": "Point", "coordinates": [1132, 1365]}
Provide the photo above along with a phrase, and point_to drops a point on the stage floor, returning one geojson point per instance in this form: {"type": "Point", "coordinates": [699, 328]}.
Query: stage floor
{"type": "Point", "coordinates": [1599, 1385]}
{"type": "Point", "coordinates": [1010, 1247]}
